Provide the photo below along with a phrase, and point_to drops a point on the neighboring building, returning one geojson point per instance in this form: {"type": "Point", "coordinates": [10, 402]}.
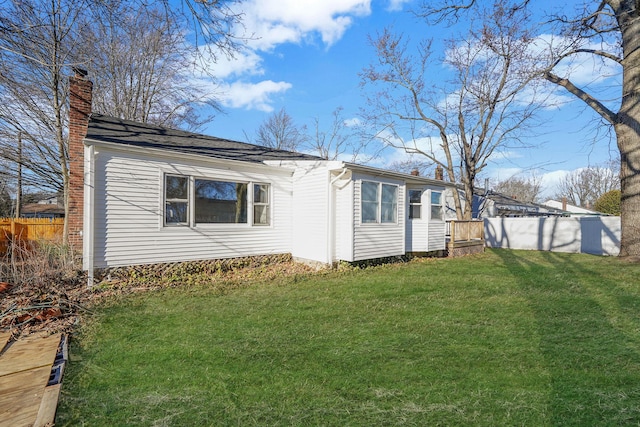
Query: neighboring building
{"type": "Point", "coordinates": [48, 206]}
{"type": "Point", "coordinates": [143, 194]}
{"type": "Point", "coordinates": [572, 210]}
{"type": "Point", "coordinates": [490, 204]}
{"type": "Point", "coordinates": [41, 210]}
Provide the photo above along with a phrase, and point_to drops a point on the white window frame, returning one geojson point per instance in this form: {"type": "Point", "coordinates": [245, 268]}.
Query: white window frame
{"type": "Point", "coordinates": [379, 202]}
{"type": "Point", "coordinates": [266, 205]}
{"type": "Point", "coordinates": [436, 205]}
{"type": "Point", "coordinates": [191, 208]}
{"type": "Point", "coordinates": [417, 204]}
{"type": "Point", "coordinates": [167, 200]}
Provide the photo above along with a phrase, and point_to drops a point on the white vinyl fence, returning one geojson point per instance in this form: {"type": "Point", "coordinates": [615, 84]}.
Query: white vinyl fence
{"type": "Point", "coordinates": [591, 235]}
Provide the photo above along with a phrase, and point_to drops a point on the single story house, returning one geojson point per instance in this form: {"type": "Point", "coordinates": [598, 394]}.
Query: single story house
{"type": "Point", "coordinates": [144, 194]}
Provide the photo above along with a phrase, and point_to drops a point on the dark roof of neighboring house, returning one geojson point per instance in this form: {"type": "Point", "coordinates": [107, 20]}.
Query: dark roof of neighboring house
{"type": "Point", "coordinates": [113, 130]}
{"type": "Point", "coordinates": [41, 208]}
{"type": "Point", "coordinates": [510, 204]}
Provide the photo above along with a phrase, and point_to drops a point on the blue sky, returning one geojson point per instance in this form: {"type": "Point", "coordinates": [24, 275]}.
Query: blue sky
{"type": "Point", "coordinates": [306, 56]}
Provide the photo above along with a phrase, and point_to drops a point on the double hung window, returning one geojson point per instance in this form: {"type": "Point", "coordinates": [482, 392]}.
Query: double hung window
{"type": "Point", "coordinates": [415, 204]}
{"type": "Point", "coordinates": [436, 205]}
{"type": "Point", "coordinates": [176, 199]}
{"type": "Point", "coordinates": [379, 203]}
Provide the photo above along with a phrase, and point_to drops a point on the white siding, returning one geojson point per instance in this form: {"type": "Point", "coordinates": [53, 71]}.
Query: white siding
{"type": "Point", "coordinates": [418, 228]}
{"type": "Point", "coordinates": [129, 213]}
{"type": "Point", "coordinates": [344, 206]}
{"type": "Point", "coordinates": [310, 212]}
{"type": "Point", "coordinates": [378, 240]}
{"type": "Point", "coordinates": [436, 238]}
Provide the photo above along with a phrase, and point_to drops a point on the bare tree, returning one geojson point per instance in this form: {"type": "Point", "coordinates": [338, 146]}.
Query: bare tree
{"type": "Point", "coordinates": [279, 131]}
{"type": "Point", "coordinates": [609, 30]}
{"type": "Point", "coordinates": [39, 42]}
{"type": "Point", "coordinates": [584, 186]}
{"type": "Point", "coordinates": [139, 62]}
{"type": "Point", "coordinates": [338, 140]}
{"type": "Point", "coordinates": [482, 112]}
{"type": "Point", "coordinates": [524, 189]}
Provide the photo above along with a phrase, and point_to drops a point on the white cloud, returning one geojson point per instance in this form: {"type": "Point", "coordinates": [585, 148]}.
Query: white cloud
{"type": "Point", "coordinates": [247, 63]}
{"type": "Point", "coordinates": [396, 5]}
{"type": "Point", "coordinates": [267, 24]}
{"type": "Point", "coordinates": [274, 22]}
{"type": "Point", "coordinates": [252, 96]}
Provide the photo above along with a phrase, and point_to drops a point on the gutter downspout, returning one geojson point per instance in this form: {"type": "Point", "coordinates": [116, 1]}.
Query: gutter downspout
{"type": "Point", "coordinates": [88, 237]}
{"type": "Point", "coordinates": [331, 244]}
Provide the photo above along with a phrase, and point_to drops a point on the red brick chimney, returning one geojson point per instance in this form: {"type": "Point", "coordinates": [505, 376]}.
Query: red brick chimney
{"type": "Point", "coordinates": [439, 173]}
{"type": "Point", "coordinates": [80, 94]}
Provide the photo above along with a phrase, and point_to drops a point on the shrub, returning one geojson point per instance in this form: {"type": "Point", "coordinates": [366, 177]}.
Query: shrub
{"type": "Point", "coordinates": [609, 202]}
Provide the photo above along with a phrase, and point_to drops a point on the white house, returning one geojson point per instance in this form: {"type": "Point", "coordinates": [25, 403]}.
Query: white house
{"type": "Point", "coordinates": [143, 194]}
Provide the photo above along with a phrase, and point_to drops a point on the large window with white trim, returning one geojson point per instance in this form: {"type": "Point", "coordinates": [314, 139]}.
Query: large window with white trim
{"type": "Point", "coordinates": [193, 201]}
{"type": "Point", "coordinates": [220, 202]}
{"type": "Point", "coordinates": [379, 203]}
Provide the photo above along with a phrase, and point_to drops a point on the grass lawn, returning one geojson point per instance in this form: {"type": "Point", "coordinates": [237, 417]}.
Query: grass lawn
{"type": "Point", "coordinates": [502, 338]}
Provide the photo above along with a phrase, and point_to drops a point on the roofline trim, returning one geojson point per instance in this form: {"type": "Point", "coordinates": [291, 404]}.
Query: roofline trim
{"type": "Point", "coordinates": [160, 152]}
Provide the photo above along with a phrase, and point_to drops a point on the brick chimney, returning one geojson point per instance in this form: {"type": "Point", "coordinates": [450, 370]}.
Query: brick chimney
{"type": "Point", "coordinates": [80, 94]}
{"type": "Point", "coordinates": [439, 173]}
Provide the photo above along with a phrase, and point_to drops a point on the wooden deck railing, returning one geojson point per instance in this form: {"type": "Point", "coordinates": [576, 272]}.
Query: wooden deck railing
{"type": "Point", "coordinates": [464, 231]}
{"type": "Point", "coordinates": [24, 231]}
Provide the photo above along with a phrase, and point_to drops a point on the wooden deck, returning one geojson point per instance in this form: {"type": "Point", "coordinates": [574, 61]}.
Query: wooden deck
{"type": "Point", "coordinates": [26, 399]}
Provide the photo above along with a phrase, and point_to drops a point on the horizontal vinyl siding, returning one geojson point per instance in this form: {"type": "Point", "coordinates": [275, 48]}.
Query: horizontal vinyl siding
{"type": "Point", "coordinates": [310, 213]}
{"type": "Point", "coordinates": [129, 215]}
{"type": "Point", "coordinates": [344, 223]}
{"type": "Point", "coordinates": [436, 236]}
{"type": "Point", "coordinates": [378, 240]}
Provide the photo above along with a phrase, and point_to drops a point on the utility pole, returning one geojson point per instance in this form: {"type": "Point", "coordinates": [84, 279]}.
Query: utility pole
{"type": "Point", "coordinates": [19, 189]}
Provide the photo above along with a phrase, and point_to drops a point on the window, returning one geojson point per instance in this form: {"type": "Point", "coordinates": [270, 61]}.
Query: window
{"type": "Point", "coordinates": [379, 202]}
{"type": "Point", "coordinates": [389, 207]}
{"type": "Point", "coordinates": [369, 202]}
{"type": "Point", "coordinates": [415, 204]}
{"type": "Point", "coordinates": [176, 199]}
{"type": "Point", "coordinates": [220, 202]}
{"type": "Point", "coordinates": [436, 205]}
{"type": "Point", "coordinates": [261, 214]}
{"type": "Point", "coordinates": [207, 201]}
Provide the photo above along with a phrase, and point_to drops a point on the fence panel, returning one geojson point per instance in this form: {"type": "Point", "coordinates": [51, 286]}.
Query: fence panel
{"type": "Point", "coordinates": [465, 230]}
{"type": "Point", "coordinates": [592, 235]}
{"type": "Point", "coordinates": [25, 231]}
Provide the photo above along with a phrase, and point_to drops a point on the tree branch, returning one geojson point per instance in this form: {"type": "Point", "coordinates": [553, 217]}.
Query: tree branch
{"type": "Point", "coordinates": [592, 102]}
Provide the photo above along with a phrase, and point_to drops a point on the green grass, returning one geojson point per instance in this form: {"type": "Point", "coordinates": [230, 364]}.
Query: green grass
{"type": "Point", "coordinates": [503, 338]}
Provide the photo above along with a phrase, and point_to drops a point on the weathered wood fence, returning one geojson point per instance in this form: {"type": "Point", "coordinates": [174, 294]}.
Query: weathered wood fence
{"type": "Point", "coordinates": [25, 231]}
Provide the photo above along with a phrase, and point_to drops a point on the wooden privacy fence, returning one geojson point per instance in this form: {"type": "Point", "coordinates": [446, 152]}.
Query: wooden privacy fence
{"type": "Point", "coordinates": [26, 231]}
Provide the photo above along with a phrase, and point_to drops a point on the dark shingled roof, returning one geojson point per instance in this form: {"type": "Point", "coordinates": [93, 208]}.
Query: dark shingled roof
{"type": "Point", "coordinates": [118, 131]}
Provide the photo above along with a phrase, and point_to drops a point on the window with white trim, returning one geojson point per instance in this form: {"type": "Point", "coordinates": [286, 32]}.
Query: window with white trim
{"type": "Point", "coordinates": [436, 205]}
{"type": "Point", "coordinates": [220, 202]}
{"type": "Point", "coordinates": [379, 203]}
{"type": "Point", "coordinates": [261, 205]}
{"type": "Point", "coordinates": [176, 200]}
{"type": "Point", "coordinates": [209, 201]}
{"type": "Point", "coordinates": [415, 204]}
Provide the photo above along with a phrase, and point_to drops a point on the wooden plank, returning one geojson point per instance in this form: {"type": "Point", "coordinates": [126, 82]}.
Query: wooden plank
{"type": "Point", "coordinates": [21, 396]}
{"type": "Point", "coordinates": [28, 354]}
{"type": "Point", "coordinates": [4, 339]}
{"type": "Point", "coordinates": [47, 412]}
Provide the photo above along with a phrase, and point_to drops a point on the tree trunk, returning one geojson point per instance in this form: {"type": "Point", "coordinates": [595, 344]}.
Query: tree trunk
{"type": "Point", "coordinates": [627, 131]}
